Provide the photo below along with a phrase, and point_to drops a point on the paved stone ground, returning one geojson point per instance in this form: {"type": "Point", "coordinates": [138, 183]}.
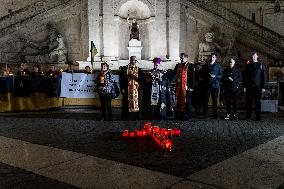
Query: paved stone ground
{"type": "Point", "coordinates": [202, 144]}
{"type": "Point", "coordinates": [11, 177]}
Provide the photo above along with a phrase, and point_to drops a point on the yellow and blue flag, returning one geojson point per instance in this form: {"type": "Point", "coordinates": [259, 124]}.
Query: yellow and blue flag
{"type": "Point", "coordinates": [93, 51]}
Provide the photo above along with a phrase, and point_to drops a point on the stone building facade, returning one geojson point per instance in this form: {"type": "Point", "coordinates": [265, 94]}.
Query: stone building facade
{"type": "Point", "coordinates": [167, 28]}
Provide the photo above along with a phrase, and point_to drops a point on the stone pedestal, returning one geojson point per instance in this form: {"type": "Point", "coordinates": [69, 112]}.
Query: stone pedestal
{"type": "Point", "coordinates": [135, 48]}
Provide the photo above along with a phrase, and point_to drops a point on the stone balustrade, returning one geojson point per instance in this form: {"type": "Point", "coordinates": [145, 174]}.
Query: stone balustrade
{"type": "Point", "coordinates": [268, 35]}
{"type": "Point", "coordinates": [12, 22]}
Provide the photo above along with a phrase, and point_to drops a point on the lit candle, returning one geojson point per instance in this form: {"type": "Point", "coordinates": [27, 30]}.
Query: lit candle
{"type": "Point", "coordinates": [125, 133]}
{"type": "Point", "coordinates": [145, 133]}
{"type": "Point", "coordinates": [167, 144]}
{"type": "Point", "coordinates": [132, 134]}
{"type": "Point", "coordinates": [156, 130]}
{"type": "Point", "coordinates": [139, 133]}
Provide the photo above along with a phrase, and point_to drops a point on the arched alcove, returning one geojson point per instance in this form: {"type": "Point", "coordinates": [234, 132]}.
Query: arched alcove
{"type": "Point", "coordinates": [134, 8]}
{"type": "Point", "coordinates": [141, 12]}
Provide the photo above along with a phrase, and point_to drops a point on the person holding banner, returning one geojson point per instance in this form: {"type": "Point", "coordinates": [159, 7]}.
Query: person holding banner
{"type": "Point", "coordinates": [104, 83]}
{"type": "Point", "coordinates": [88, 70]}
{"type": "Point", "coordinates": [70, 68]}
{"type": "Point", "coordinates": [130, 81]}
{"type": "Point", "coordinates": [7, 71]}
{"type": "Point", "coordinates": [23, 70]}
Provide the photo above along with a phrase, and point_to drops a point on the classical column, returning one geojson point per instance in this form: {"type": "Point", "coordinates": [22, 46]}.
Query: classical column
{"type": "Point", "coordinates": [174, 29]}
{"type": "Point", "coordinates": [94, 25]}
{"type": "Point", "coordinates": [157, 32]}
{"type": "Point", "coordinates": [110, 31]}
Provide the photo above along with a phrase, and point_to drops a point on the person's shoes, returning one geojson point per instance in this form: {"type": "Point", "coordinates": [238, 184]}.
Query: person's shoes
{"type": "Point", "coordinates": [257, 119]}
{"type": "Point", "coordinates": [204, 116]}
{"type": "Point", "coordinates": [235, 117]}
{"type": "Point", "coordinates": [227, 117]}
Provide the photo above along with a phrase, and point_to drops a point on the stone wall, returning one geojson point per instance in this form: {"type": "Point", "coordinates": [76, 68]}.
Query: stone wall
{"type": "Point", "coordinates": [275, 22]}
{"type": "Point", "coordinates": [68, 17]}
{"type": "Point", "coordinates": [13, 6]}
{"type": "Point", "coordinates": [263, 10]}
{"type": "Point", "coordinates": [196, 22]}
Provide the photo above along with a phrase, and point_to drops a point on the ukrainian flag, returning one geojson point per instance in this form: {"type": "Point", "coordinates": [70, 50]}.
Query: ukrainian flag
{"type": "Point", "coordinates": [93, 50]}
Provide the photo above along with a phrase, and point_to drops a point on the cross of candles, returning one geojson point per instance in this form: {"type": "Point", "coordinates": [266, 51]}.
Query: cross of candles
{"type": "Point", "coordinates": [161, 136]}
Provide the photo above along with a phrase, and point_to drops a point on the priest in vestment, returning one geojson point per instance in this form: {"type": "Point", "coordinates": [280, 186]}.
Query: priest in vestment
{"type": "Point", "coordinates": [130, 81]}
{"type": "Point", "coordinates": [185, 79]}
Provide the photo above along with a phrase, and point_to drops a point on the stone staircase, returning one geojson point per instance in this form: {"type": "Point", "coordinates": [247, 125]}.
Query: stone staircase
{"type": "Point", "coordinates": [13, 22]}
{"type": "Point", "coordinates": [267, 36]}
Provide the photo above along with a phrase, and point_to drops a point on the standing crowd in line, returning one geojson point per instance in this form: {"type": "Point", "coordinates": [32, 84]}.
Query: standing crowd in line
{"type": "Point", "coordinates": [160, 94]}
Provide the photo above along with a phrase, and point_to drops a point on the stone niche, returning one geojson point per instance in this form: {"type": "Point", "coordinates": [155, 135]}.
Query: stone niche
{"type": "Point", "coordinates": [109, 26]}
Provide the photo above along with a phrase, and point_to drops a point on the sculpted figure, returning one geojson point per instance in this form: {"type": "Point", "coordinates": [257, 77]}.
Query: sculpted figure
{"type": "Point", "coordinates": [51, 50]}
{"type": "Point", "coordinates": [206, 48]}
{"type": "Point", "coordinates": [134, 29]}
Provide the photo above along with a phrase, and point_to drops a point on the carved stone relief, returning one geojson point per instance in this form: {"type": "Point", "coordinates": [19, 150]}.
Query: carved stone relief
{"type": "Point", "coordinates": [50, 50]}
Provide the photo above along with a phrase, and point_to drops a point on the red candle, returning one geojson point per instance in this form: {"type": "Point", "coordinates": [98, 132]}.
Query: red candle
{"type": "Point", "coordinates": [132, 134]}
{"type": "Point", "coordinates": [144, 132]}
{"type": "Point", "coordinates": [167, 144]}
{"type": "Point", "coordinates": [125, 133]}
{"type": "Point", "coordinates": [156, 130]}
{"type": "Point", "coordinates": [148, 127]}
{"type": "Point", "coordinates": [175, 132]}
{"type": "Point", "coordinates": [166, 132]}
{"type": "Point", "coordinates": [139, 133]}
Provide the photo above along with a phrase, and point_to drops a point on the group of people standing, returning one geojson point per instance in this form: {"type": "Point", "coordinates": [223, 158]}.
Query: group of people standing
{"type": "Point", "coordinates": [159, 94]}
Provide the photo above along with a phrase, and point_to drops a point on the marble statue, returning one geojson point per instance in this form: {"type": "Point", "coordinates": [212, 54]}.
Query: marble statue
{"type": "Point", "coordinates": [206, 48]}
{"type": "Point", "coordinates": [51, 50]}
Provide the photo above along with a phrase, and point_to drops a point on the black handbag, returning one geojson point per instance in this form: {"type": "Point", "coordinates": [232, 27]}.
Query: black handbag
{"type": "Point", "coordinates": [115, 91]}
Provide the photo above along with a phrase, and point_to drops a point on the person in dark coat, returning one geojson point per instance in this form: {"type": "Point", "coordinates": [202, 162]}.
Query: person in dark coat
{"type": "Point", "coordinates": [158, 93]}
{"type": "Point", "coordinates": [255, 77]}
{"type": "Point", "coordinates": [231, 80]}
{"type": "Point", "coordinates": [24, 71]}
{"type": "Point", "coordinates": [53, 78]}
{"type": "Point", "coordinates": [70, 68]}
{"type": "Point", "coordinates": [104, 85]}
{"type": "Point", "coordinates": [37, 80]}
{"type": "Point", "coordinates": [212, 74]}
{"type": "Point", "coordinates": [184, 74]}
{"type": "Point", "coordinates": [22, 82]}
{"type": "Point", "coordinates": [145, 108]}
{"type": "Point", "coordinates": [130, 82]}
{"type": "Point", "coordinates": [198, 92]}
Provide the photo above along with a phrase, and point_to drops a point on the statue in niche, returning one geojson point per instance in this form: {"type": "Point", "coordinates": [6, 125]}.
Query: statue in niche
{"type": "Point", "coordinates": [51, 50]}
{"type": "Point", "coordinates": [134, 28]}
{"type": "Point", "coordinates": [206, 48]}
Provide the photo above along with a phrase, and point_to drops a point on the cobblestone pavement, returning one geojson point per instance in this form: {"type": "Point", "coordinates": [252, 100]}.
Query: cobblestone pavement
{"type": "Point", "coordinates": [202, 144]}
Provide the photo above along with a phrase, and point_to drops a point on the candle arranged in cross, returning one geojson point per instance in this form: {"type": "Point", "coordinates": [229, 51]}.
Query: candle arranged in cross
{"type": "Point", "coordinates": [161, 136]}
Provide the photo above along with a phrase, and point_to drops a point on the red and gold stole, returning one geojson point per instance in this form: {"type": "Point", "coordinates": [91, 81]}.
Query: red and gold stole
{"type": "Point", "coordinates": [181, 83]}
{"type": "Point", "coordinates": [133, 85]}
